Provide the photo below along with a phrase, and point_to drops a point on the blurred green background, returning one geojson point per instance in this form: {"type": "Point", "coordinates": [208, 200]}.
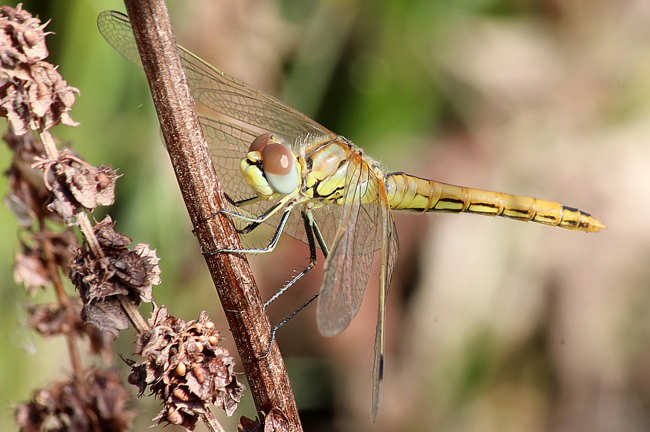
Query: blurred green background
{"type": "Point", "coordinates": [493, 325]}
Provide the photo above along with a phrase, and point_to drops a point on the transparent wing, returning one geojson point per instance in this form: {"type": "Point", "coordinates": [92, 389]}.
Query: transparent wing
{"type": "Point", "coordinates": [236, 99]}
{"type": "Point", "coordinates": [347, 268]}
{"type": "Point", "coordinates": [389, 249]}
{"type": "Point", "coordinates": [228, 145]}
{"type": "Point", "coordinates": [221, 92]}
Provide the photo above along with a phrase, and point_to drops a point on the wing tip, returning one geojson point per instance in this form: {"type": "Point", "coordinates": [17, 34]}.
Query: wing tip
{"type": "Point", "coordinates": [376, 394]}
{"type": "Point", "coordinates": [330, 327]}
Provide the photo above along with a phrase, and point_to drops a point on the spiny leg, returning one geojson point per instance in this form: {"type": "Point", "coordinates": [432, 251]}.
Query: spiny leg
{"type": "Point", "coordinates": [244, 202]}
{"type": "Point", "coordinates": [283, 322]}
{"type": "Point", "coordinates": [254, 221]}
{"type": "Point", "coordinates": [310, 229]}
{"type": "Point", "coordinates": [319, 236]}
{"type": "Point", "coordinates": [240, 203]}
{"type": "Point", "coordinates": [267, 248]}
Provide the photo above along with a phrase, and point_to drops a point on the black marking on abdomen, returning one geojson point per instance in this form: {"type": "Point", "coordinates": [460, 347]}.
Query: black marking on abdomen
{"type": "Point", "coordinates": [451, 200]}
{"type": "Point", "coordinates": [483, 204]}
{"type": "Point", "coordinates": [520, 211]}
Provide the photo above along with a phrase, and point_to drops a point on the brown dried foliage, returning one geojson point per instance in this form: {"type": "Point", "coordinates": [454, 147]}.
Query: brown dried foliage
{"type": "Point", "coordinates": [78, 185]}
{"type": "Point", "coordinates": [33, 94]}
{"type": "Point", "coordinates": [118, 272]}
{"type": "Point", "coordinates": [29, 195]}
{"type": "Point", "coordinates": [95, 403]}
{"type": "Point", "coordinates": [184, 365]}
{"type": "Point", "coordinates": [31, 266]}
{"type": "Point", "coordinates": [186, 368]}
{"type": "Point", "coordinates": [33, 97]}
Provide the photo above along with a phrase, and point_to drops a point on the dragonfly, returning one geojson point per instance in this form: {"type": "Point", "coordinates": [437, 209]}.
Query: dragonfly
{"type": "Point", "coordinates": [285, 171]}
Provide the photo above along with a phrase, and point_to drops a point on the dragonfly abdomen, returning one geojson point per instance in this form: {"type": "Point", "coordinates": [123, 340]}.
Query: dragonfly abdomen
{"type": "Point", "coordinates": [407, 192]}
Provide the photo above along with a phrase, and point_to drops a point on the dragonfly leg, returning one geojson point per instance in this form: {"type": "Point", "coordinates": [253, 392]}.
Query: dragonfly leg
{"type": "Point", "coordinates": [283, 322]}
{"type": "Point", "coordinates": [310, 228]}
{"type": "Point", "coordinates": [244, 202]}
{"type": "Point", "coordinates": [257, 219]}
{"type": "Point", "coordinates": [267, 248]}
{"type": "Point", "coordinates": [254, 221]}
{"type": "Point", "coordinates": [319, 236]}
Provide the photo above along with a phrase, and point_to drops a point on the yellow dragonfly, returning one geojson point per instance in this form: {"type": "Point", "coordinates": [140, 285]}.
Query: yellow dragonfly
{"type": "Point", "coordinates": [298, 177]}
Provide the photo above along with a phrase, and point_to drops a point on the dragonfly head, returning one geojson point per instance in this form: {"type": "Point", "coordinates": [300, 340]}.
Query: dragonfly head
{"type": "Point", "coordinates": [270, 167]}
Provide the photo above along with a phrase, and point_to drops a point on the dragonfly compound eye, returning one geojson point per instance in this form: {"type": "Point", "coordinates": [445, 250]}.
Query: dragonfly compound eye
{"type": "Point", "coordinates": [280, 168]}
{"type": "Point", "coordinates": [261, 142]}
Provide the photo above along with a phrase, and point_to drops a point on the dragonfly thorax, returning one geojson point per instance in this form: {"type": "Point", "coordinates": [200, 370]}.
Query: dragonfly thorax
{"type": "Point", "coordinates": [270, 167]}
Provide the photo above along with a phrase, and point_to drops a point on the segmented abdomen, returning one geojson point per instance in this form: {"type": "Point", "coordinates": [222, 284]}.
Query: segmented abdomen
{"type": "Point", "coordinates": [407, 192]}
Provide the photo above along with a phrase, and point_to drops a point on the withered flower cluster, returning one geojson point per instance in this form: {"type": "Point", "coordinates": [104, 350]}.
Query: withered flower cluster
{"type": "Point", "coordinates": [28, 200]}
{"type": "Point", "coordinates": [77, 185]}
{"type": "Point", "coordinates": [34, 96]}
{"type": "Point", "coordinates": [102, 278]}
{"type": "Point", "coordinates": [185, 366]}
{"type": "Point", "coordinates": [94, 402]}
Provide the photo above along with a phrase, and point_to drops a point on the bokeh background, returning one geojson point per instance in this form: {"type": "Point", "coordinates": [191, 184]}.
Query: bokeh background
{"type": "Point", "coordinates": [493, 325]}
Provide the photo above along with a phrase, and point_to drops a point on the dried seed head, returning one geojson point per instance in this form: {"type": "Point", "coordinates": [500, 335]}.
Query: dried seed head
{"type": "Point", "coordinates": [119, 273]}
{"type": "Point", "coordinates": [199, 374]}
{"type": "Point", "coordinates": [108, 238]}
{"type": "Point", "coordinates": [55, 319]}
{"type": "Point", "coordinates": [23, 32]}
{"type": "Point", "coordinates": [97, 398]}
{"type": "Point", "coordinates": [181, 394]}
{"type": "Point", "coordinates": [78, 185]}
{"type": "Point", "coordinates": [174, 417]}
{"type": "Point", "coordinates": [168, 348]}
{"type": "Point", "coordinates": [31, 268]}
{"type": "Point", "coordinates": [32, 93]}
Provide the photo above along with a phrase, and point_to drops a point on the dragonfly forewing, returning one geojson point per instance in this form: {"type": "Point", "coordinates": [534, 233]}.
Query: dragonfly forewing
{"type": "Point", "coordinates": [234, 98]}
{"type": "Point", "coordinates": [221, 92]}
